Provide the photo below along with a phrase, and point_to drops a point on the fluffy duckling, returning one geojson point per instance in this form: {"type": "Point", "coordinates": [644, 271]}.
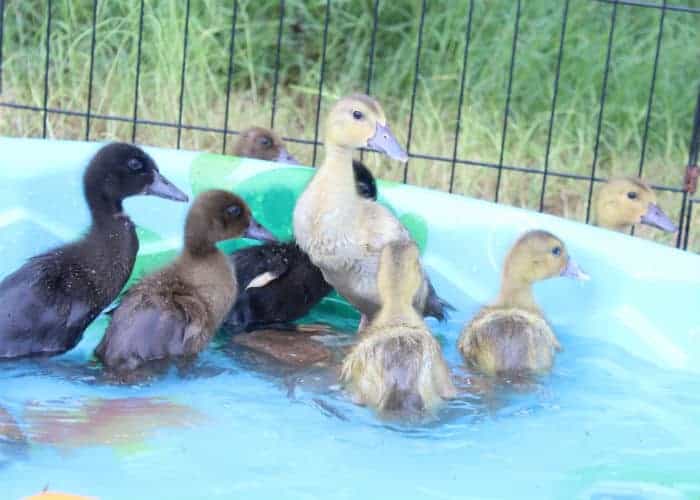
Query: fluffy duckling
{"type": "Point", "coordinates": [626, 201]}
{"type": "Point", "coordinates": [278, 282]}
{"type": "Point", "coordinates": [512, 337]}
{"type": "Point", "coordinates": [263, 144]}
{"type": "Point", "coordinates": [398, 367]}
{"type": "Point", "coordinates": [46, 304]}
{"type": "Point", "coordinates": [342, 233]}
{"type": "Point", "coordinates": [174, 312]}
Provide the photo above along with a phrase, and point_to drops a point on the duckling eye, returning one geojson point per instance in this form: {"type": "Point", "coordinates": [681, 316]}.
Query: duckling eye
{"type": "Point", "coordinates": [357, 115]}
{"type": "Point", "coordinates": [632, 195]}
{"type": "Point", "coordinates": [234, 210]}
{"type": "Point", "coordinates": [556, 251]}
{"type": "Point", "coordinates": [134, 164]}
{"type": "Point", "coordinates": [265, 141]}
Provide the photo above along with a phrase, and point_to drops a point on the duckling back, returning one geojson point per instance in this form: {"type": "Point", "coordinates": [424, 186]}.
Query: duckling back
{"type": "Point", "coordinates": [398, 367]}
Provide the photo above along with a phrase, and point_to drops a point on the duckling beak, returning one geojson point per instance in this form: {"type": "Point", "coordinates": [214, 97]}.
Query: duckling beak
{"type": "Point", "coordinates": [286, 157]}
{"type": "Point", "coordinates": [385, 142]}
{"type": "Point", "coordinates": [257, 231]}
{"type": "Point", "coordinates": [163, 188]}
{"type": "Point", "coordinates": [656, 217]}
{"type": "Point", "coordinates": [573, 271]}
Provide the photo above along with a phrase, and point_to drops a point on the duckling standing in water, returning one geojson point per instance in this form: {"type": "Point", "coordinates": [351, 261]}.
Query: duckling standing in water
{"type": "Point", "coordinates": [342, 233]}
{"type": "Point", "coordinates": [263, 144]}
{"type": "Point", "coordinates": [626, 201]}
{"type": "Point", "coordinates": [512, 337]}
{"type": "Point", "coordinates": [397, 367]}
{"type": "Point", "coordinates": [174, 312]}
{"type": "Point", "coordinates": [46, 305]}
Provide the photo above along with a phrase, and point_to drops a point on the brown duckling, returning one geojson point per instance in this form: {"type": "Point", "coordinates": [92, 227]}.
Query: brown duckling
{"type": "Point", "coordinates": [512, 337]}
{"type": "Point", "coordinates": [397, 367]}
{"type": "Point", "coordinates": [342, 232]}
{"type": "Point", "coordinates": [625, 201]}
{"type": "Point", "coordinates": [263, 144]}
{"type": "Point", "coordinates": [174, 312]}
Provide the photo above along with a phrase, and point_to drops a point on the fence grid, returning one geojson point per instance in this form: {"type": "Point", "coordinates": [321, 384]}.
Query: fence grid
{"type": "Point", "coordinates": [452, 161]}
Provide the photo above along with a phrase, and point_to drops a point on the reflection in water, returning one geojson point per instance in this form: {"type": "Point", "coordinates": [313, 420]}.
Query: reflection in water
{"type": "Point", "coordinates": [13, 443]}
{"type": "Point", "coordinates": [105, 422]}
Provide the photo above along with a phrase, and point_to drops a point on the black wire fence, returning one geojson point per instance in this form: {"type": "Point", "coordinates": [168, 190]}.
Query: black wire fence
{"type": "Point", "coordinates": [541, 175]}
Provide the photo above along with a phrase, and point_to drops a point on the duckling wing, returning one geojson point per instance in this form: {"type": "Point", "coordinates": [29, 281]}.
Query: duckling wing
{"type": "Point", "coordinates": [42, 310]}
{"type": "Point", "coordinates": [271, 259]}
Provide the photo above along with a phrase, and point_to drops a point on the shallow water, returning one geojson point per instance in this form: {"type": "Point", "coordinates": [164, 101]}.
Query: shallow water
{"type": "Point", "coordinates": [602, 425]}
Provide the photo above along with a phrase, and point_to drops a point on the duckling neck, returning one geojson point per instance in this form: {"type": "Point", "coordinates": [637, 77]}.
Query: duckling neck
{"type": "Point", "coordinates": [337, 165]}
{"type": "Point", "coordinates": [198, 247]}
{"type": "Point", "coordinates": [517, 294]}
{"type": "Point", "coordinates": [103, 209]}
{"type": "Point", "coordinates": [395, 313]}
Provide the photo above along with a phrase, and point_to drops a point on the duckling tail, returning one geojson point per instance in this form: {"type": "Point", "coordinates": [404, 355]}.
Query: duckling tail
{"type": "Point", "coordinates": [437, 307]}
{"type": "Point", "coordinates": [402, 365]}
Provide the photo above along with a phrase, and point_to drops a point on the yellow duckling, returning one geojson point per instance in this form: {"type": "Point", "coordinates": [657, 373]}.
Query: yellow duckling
{"type": "Point", "coordinates": [342, 232]}
{"type": "Point", "coordinates": [512, 336]}
{"type": "Point", "coordinates": [625, 201]}
{"type": "Point", "coordinates": [397, 367]}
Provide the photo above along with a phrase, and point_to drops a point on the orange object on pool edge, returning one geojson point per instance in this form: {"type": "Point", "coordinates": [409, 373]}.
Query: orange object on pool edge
{"type": "Point", "coordinates": [54, 495]}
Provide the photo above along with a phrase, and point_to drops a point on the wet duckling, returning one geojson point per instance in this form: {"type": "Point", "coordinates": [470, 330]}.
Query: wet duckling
{"type": "Point", "coordinates": [278, 283]}
{"type": "Point", "coordinates": [342, 233]}
{"type": "Point", "coordinates": [174, 312]}
{"type": "Point", "coordinates": [48, 302]}
{"type": "Point", "coordinates": [263, 144]}
{"type": "Point", "coordinates": [512, 337]}
{"type": "Point", "coordinates": [626, 201]}
{"type": "Point", "coordinates": [397, 367]}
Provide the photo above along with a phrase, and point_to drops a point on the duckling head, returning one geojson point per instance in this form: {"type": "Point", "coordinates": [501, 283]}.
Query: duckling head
{"type": "Point", "coordinates": [400, 276]}
{"type": "Point", "coordinates": [219, 215]}
{"type": "Point", "coordinates": [536, 256]}
{"type": "Point", "coordinates": [263, 144]}
{"type": "Point", "coordinates": [626, 201]}
{"type": "Point", "coordinates": [358, 121]}
{"type": "Point", "coordinates": [119, 170]}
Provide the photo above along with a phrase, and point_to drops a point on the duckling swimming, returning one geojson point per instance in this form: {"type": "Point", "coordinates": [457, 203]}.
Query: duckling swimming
{"type": "Point", "coordinates": [397, 367]}
{"type": "Point", "coordinates": [263, 144]}
{"type": "Point", "coordinates": [174, 312]}
{"type": "Point", "coordinates": [46, 304]}
{"type": "Point", "coordinates": [512, 336]}
{"type": "Point", "coordinates": [278, 282]}
{"type": "Point", "coordinates": [342, 233]}
{"type": "Point", "coordinates": [626, 201]}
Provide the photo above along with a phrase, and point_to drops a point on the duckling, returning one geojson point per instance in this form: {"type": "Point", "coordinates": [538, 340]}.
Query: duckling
{"type": "Point", "coordinates": [397, 367]}
{"type": "Point", "coordinates": [342, 233]}
{"type": "Point", "coordinates": [46, 304]}
{"type": "Point", "coordinates": [263, 144]}
{"type": "Point", "coordinates": [625, 201]}
{"type": "Point", "coordinates": [512, 337]}
{"type": "Point", "coordinates": [278, 282]}
{"type": "Point", "coordinates": [174, 312]}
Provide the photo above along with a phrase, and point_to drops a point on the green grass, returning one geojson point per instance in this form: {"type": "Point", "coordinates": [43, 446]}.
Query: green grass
{"type": "Point", "coordinates": [349, 35]}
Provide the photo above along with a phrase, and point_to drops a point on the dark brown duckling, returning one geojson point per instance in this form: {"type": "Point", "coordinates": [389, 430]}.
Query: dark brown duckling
{"type": "Point", "coordinates": [46, 305]}
{"type": "Point", "coordinates": [174, 312]}
{"type": "Point", "coordinates": [263, 144]}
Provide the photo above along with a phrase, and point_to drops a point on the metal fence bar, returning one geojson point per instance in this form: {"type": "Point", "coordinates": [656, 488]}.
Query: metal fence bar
{"type": "Point", "coordinates": [88, 109]}
{"type": "Point", "coordinates": [555, 94]}
{"type": "Point", "coordinates": [416, 76]}
{"type": "Point", "coordinates": [2, 33]}
{"type": "Point", "coordinates": [231, 51]}
{"type": "Point", "coordinates": [46, 69]}
{"type": "Point", "coordinates": [676, 8]}
{"type": "Point", "coordinates": [688, 222]}
{"type": "Point", "coordinates": [506, 111]}
{"type": "Point", "coordinates": [372, 46]}
{"type": "Point", "coordinates": [320, 80]}
{"type": "Point", "coordinates": [183, 73]}
{"type": "Point", "coordinates": [465, 59]}
{"type": "Point", "coordinates": [693, 152]}
{"type": "Point", "coordinates": [603, 92]}
{"type": "Point", "coordinates": [134, 120]}
{"type": "Point", "coordinates": [275, 82]}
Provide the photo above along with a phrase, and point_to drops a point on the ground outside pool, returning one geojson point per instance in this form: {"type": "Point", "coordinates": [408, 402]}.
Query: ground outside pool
{"type": "Point", "coordinates": [618, 418]}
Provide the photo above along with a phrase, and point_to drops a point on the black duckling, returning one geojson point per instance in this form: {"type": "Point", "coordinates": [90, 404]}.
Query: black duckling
{"type": "Point", "coordinates": [263, 144]}
{"type": "Point", "coordinates": [278, 283]}
{"type": "Point", "coordinates": [48, 302]}
{"type": "Point", "coordinates": [174, 312]}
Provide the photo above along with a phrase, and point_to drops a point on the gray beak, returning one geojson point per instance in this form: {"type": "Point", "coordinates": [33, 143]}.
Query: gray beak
{"type": "Point", "coordinates": [257, 231]}
{"type": "Point", "coordinates": [385, 142]}
{"type": "Point", "coordinates": [163, 188]}
{"type": "Point", "coordinates": [573, 271]}
{"type": "Point", "coordinates": [286, 157]}
{"type": "Point", "coordinates": [656, 217]}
